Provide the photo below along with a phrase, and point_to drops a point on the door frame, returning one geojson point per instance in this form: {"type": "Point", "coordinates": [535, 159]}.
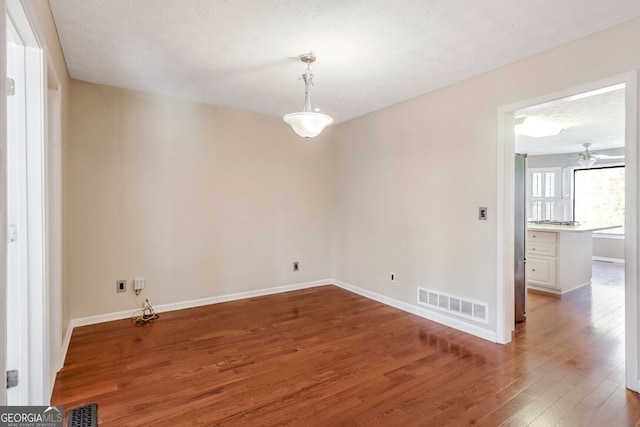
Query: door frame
{"type": "Point", "coordinates": [53, 221]}
{"type": "Point", "coordinates": [3, 196]}
{"type": "Point", "coordinates": [45, 310]}
{"type": "Point", "coordinates": [505, 212]}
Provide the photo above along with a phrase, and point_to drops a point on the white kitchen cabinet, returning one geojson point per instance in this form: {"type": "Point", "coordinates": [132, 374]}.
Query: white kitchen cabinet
{"type": "Point", "coordinates": [559, 257]}
{"type": "Point", "coordinates": [542, 271]}
{"type": "Point", "coordinates": [542, 259]}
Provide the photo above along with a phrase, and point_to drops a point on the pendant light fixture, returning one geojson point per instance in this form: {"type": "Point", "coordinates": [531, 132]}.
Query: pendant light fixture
{"type": "Point", "coordinates": [307, 123]}
{"type": "Point", "coordinates": [586, 158]}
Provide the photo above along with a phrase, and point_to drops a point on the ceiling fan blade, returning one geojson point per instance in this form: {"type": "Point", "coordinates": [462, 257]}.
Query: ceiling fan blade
{"type": "Point", "coordinates": [606, 156]}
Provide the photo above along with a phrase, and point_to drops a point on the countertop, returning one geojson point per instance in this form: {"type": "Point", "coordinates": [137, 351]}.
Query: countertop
{"type": "Point", "coordinates": [571, 228]}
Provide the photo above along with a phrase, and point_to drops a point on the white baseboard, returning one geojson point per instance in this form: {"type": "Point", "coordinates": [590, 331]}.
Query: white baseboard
{"type": "Point", "coordinates": [101, 318]}
{"type": "Point", "coordinates": [577, 287]}
{"type": "Point", "coordinates": [65, 345]}
{"type": "Point", "coordinates": [544, 289]}
{"type": "Point", "coordinates": [605, 259]}
{"type": "Point", "coordinates": [424, 313]}
{"type": "Point", "coordinates": [555, 291]}
{"type": "Point", "coordinates": [126, 314]}
{"type": "Point", "coordinates": [460, 325]}
{"type": "Point", "coordinates": [162, 308]}
{"type": "Point", "coordinates": [238, 296]}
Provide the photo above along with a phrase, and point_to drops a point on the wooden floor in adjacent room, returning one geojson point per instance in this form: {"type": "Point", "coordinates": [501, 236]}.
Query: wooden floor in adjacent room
{"type": "Point", "coordinates": [326, 357]}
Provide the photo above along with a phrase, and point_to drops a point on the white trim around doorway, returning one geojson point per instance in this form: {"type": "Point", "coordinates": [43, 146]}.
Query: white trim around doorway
{"type": "Point", "coordinates": [505, 233]}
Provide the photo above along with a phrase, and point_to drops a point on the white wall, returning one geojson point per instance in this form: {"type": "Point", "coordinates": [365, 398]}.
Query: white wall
{"type": "Point", "coordinates": [609, 248]}
{"type": "Point", "coordinates": [203, 204]}
{"type": "Point", "coordinates": [199, 200]}
{"type": "Point", "coordinates": [410, 178]}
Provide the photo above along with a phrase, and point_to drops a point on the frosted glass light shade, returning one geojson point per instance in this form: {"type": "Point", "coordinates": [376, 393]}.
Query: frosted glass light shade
{"type": "Point", "coordinates": [307, 124]}
{"type": "Point", "coordinates": [587, 162]}
{"type": "Point", "coordinates": [537, 128]}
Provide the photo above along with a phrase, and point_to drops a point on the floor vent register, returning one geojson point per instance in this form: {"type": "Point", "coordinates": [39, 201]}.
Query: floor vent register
{"type": "Point", "coordinates": [83, 416]}
{"type": "Point", "coordinates": [462, 307]}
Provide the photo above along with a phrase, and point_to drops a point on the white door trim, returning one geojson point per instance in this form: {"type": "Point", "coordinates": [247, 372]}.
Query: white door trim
{"type": "Point", "coordinates": [505, 253]}
{"type": "Point", "coordinates": [53, 221]}
{"type": "Point", "coordinates": [37, 377]}
{"type": "Point", "coordinates": [3, 196]}
{"type": "Point", "coordinates": [53, 344]}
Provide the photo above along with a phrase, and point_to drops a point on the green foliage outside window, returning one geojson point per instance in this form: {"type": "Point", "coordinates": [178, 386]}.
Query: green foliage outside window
{"type": "Point", "coordinates": [599, 197]}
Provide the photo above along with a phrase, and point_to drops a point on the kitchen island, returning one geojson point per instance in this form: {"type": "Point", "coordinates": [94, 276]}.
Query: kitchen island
{"type": "Point", "coordinates": [559, 257]}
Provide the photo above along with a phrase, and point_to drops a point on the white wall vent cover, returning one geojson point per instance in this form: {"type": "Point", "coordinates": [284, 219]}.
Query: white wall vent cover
{"type": "Point", "coordinates": [469, 309]}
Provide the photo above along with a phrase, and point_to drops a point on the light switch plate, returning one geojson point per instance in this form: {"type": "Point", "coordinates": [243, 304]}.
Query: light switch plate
{"type": "Point", "coordinates": [482, 214]}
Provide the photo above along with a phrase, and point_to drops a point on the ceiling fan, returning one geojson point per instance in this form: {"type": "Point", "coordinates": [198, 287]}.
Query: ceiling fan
{"type": "Point", "coordinates": [588, 158]}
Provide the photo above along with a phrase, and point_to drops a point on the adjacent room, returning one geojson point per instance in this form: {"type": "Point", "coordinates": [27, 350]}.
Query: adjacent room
{"type": "Point", "coordinates": [289, 213]}
{"type": "Point", "coordinates": [572, 192]}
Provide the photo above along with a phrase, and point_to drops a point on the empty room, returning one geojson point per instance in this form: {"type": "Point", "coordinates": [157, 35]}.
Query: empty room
{"type": "Point", "coordinates": [366, 212]}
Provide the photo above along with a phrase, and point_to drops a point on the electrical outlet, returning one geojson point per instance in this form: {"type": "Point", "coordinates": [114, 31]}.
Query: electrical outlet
{"type": "Point", "coordinates": [296, 266]}
{"type": "Point", "coordinates": [121, 286]}
{"type": "Point", "coordinates": [393, 277]}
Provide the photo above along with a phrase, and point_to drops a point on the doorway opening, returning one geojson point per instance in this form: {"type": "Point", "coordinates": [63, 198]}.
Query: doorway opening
{"type": "Point", "coordinates": [573, 188]}
{"type": "Point", "coordinates": [555, 199]}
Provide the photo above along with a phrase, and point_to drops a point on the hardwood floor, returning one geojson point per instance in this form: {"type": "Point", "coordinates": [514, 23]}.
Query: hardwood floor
{"type": "Point", "coordinates": [326, 357]}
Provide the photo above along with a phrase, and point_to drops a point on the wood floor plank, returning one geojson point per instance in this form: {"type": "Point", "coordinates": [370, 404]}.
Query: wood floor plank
{"type": "Point", "coordinates": [327, 357]}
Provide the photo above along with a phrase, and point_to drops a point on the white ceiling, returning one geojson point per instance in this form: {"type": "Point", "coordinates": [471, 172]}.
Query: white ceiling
{"type": "Point", "coordinates": [595, 118]}
{"type": "Point", "coordinates": [371, 53]}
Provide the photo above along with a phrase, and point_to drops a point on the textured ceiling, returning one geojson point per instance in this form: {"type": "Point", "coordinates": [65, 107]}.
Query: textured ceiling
{"type": "Point", "coordinates": [596, 118]}
{"type": "Point", "coordinates": [371, 53]}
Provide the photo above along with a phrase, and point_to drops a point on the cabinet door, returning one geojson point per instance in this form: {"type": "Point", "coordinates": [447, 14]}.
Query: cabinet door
{"type": "Point", "coordinates": [542, 271]}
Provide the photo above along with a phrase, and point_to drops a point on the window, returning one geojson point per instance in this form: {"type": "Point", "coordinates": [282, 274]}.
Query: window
{"type": "Point", "coordinates": [545, 197]}
{"type": "Point", "coordinates": [599, 196]}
